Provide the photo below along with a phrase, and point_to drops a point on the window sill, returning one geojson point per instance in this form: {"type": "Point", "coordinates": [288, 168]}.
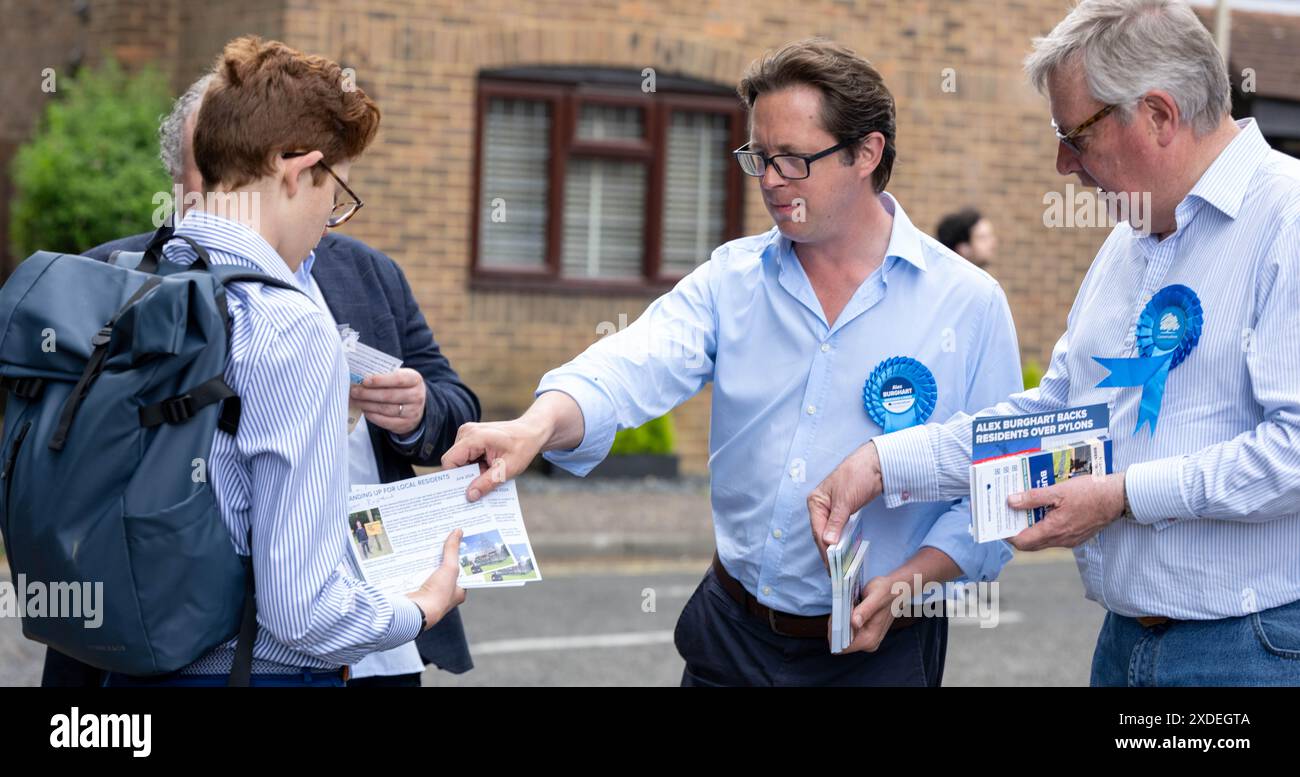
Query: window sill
{"type": "Point", "coordinates": [549, 285]}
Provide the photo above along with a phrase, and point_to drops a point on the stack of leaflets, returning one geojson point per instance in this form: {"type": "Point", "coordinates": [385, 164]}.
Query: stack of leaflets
{"type": "Point", "coordinates": [396, 532]}
{"type": "Point", "coordinates": [1011, 454]}
{"type": "Point", "coordinates": [848, 563]}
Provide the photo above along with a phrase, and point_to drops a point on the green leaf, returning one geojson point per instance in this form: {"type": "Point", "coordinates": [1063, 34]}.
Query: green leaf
{"type": "Point", "coordinates": [652, 437]}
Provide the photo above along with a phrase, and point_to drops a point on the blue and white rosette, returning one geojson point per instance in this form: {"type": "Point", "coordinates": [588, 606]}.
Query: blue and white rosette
{"type": "Point", "coordinates": [1167, 331]}
{"type": "Point", "coordinates": [901, 392]}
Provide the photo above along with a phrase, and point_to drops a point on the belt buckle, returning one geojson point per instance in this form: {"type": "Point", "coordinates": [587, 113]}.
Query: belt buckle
{"type": "Point", "coordinates": [771, 624]}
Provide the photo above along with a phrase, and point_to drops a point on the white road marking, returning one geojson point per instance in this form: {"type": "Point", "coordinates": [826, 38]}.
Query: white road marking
{"type": "Point", "coordinates": [576, 642]}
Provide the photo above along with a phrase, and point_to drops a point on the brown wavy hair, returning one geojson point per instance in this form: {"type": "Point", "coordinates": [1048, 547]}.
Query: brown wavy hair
{"type": "Point", "coordinates": [855, 100]}
{"type": "Point", "coordinates": [267, 98]}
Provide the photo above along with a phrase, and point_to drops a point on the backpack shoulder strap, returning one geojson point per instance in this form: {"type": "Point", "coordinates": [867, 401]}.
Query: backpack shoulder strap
{"type": "Point", "coordinates": [129, 259]}
{"type": "Point", "coordinates": [229, 273]}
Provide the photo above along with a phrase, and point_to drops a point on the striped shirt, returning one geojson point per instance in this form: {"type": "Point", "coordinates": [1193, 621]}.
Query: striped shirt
{"type": "Point", "coordinates": [1215, 490]}
{"type": "Point", "coordinates": [363, 470]}
{"type": "Point", "coordinates": [285, 474]}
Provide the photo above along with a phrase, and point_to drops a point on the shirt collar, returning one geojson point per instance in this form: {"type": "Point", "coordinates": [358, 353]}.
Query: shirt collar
{"type": "Point", "coordinates": [225, 237]}
{"type": "Point", "coordinates": [1225, 183]}
{"type": "Point", "coordinates": [904, 238]}
{"type": "Point", "coordinates": [303, 275]}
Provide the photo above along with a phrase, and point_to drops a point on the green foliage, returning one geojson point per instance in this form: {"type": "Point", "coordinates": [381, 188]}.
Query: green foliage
{"type": "Point", "coordinates": [90, 172]}
{"type": "Point", "coordinates": [1033, 374]}
{"type": "Point", "coordinates": [653, 437]}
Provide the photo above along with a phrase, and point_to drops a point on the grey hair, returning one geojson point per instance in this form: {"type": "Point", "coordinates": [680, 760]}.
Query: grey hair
{"type": "Point", "coordinates": [171, 131]}
{"type": "Point", "coordinates": [1130, 47]}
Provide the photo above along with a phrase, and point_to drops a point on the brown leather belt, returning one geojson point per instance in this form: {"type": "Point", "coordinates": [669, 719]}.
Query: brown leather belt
{"type": "Point", "coordinates": [782, 623]}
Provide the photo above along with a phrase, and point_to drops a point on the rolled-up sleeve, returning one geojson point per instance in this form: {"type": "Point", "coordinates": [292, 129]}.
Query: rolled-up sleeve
{"type": "Point", "coordinates": [951, 534]}
{"type": "Point", "coordinates": [629, 377]}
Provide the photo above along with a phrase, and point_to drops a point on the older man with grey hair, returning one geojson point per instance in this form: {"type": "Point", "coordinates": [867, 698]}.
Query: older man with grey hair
{"type": "Point", "coordinates": [1185, 325]}
{"type": "Point", "coordinates": [175, 133]}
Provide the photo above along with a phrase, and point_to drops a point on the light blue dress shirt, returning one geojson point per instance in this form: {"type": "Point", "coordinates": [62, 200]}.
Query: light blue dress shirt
{"type": "Point", "coordinates": [1215, 491]}
{"type": "Point", "coordinates": [787, 395]}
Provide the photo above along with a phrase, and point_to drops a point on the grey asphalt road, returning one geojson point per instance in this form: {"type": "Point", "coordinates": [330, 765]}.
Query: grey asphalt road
{"type": "Point", "coordinates": [587, 624]}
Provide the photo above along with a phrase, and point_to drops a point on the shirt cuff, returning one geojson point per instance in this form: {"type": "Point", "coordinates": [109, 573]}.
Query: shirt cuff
{"type": "Point", "coordinates": [1155, 492]}
{"type": "Point", "coordinates": [978, 561]}
{"type": "Point", "coordinates": [598, 424]}
{"type": "Point", "coordinates": [411, 439]}
{"type": "Point", "coordinates": [907, 466]}
{"type": "Point", "coordinates": [406, 625]}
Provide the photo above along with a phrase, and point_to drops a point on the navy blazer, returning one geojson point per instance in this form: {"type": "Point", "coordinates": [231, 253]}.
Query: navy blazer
{"type": "Point", "coordinates": [367, 290]}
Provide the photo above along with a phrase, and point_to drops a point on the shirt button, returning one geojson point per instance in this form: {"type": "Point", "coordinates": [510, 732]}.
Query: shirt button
{"type": "Point", "coordinates": [776, 533]}
{"type": "Point", "coordinates": [767, 590]}
{"type": "Point", "coordinates": [812, 409]}
{"type": "Point", "coordinates": [826, 347]}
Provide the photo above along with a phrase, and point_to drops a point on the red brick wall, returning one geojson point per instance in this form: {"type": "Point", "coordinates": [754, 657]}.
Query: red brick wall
{"type": "Point", "coordinates": [988, 144]}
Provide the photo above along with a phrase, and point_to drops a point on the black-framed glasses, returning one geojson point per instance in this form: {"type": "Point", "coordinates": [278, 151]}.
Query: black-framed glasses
{"type": "Point", "coordinates": [791, 167]}
{"type": "Point", "coordinates": [342, 210]}
{"type": "Point", "coordinates": [1071, 139]}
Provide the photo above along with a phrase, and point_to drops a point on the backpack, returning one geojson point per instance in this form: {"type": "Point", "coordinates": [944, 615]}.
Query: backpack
{"type": "Point", "coordinates": [115, 383]}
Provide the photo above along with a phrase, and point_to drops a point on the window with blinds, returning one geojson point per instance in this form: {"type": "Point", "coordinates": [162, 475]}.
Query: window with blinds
{"type": "Point", "coordinates": [605, 201]}
{"type": "Point", "coordinates": [695, 189]}
{"type": "Point", "coordinates": [513, 208]}
{"type": "Point", "coordinates": [600, 187]}
{"type": "Point", "coordinates": [604, 219]}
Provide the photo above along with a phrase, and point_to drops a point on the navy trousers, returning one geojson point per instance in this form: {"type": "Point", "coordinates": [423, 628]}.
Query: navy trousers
{"type": "Point", "coordinates": [724, 645]}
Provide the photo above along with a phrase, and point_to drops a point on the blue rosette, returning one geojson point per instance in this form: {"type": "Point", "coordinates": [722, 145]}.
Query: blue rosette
{"type": "Point", "coordinates": [1168, 329]}
{"type": "Point", "coordinates": [900, 392]}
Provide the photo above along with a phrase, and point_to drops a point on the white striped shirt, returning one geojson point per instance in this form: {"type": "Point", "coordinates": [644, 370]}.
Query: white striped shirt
{"type": "Point", "coordinates": [286, 472]}
{"type": "Point", "coordinates": [1216, 489]}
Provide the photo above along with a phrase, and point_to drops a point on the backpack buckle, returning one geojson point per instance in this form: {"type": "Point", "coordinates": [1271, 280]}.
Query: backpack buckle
{"type": "Point", "coordinates": [25, 388]}
{"type": "Point", "coordinates": [177, 410]}
{"type": "Point", "coordinates": [102, 337]}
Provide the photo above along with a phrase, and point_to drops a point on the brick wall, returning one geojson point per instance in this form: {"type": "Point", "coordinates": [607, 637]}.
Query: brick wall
{"type": "Point", "coordinates": [989, 144]}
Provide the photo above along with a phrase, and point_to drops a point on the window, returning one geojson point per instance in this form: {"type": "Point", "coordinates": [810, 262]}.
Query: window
{"type": "Point", "coordinates": [585, 181]}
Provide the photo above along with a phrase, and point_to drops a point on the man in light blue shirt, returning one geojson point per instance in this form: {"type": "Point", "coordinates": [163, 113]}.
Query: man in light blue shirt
{"type": "Point", "coordinates": [842, 300]}
{"type": "Point", "coordinates": [1193, 547]}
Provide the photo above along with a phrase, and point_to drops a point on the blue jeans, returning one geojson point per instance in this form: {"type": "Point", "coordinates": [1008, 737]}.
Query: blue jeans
{"type": "Point", "coordinates": [307, 678]}
{"type": "Point", "coordinates": [725, 645]}
{"type": "Point", "coordinates": [1262, 648]}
